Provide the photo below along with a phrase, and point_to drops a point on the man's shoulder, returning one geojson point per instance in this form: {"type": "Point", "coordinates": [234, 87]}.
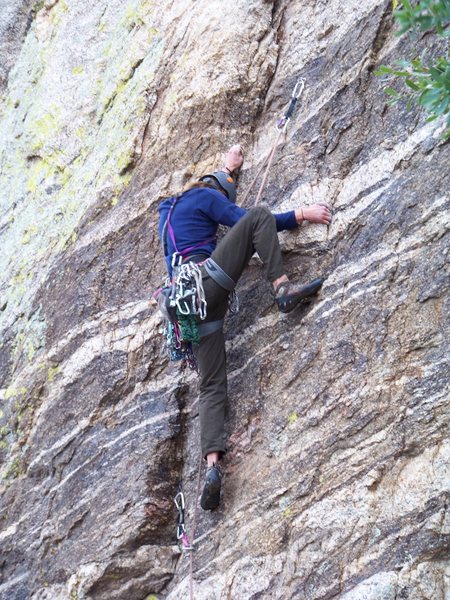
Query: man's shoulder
{"type": "Point", "coordinates": [194, 196]}
{"type": "Point", "coordinates": [202, 199]}
{"type": "Point", "coordinates": [166, 203]}
{"type": "Point", "coordinates": [203, 192]}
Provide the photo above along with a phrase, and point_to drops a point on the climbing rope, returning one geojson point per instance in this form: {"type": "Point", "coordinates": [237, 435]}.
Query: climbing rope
{"type": "Point", "coordinates": [281, 126]}
{"type": "Point", "coordinates": [182, 537]}
{"type": "Point", "coordinates": [188, 297]}
{"type": "Point", "coordinates": [194, 526]}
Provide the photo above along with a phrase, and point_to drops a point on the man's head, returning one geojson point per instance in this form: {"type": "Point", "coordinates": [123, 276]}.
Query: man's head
{"type": "Point", "coordinates": [223, 182]}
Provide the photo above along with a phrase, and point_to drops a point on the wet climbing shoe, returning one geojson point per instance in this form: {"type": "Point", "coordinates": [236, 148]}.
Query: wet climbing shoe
{"type": "Point", "coordinates": [289, 294]}
{"type": "Point", "coordinates": [211, 491]}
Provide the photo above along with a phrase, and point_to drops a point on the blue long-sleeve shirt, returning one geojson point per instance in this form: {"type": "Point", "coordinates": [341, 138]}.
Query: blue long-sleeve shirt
{"type": "Point", "coordinates": [196, 218]}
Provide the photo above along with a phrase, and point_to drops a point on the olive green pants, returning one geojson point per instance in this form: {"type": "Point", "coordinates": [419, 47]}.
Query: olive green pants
{"type": "Point", "coordinates": [255, 232]}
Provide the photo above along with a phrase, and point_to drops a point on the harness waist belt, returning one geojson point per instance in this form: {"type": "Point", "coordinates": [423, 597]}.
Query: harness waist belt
{"type": "Point", "coordinates": [205, 329]}
{"type": "Point", "coordinates": [195, 258]}
{"type": "Point", "coordinates": [219, 275]}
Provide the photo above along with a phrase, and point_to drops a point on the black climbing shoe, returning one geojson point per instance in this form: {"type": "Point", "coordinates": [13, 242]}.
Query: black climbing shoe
{"type": "Point", "coordinates": [288, 294]}
{"type": "Point", "coordinates": [211, 491]}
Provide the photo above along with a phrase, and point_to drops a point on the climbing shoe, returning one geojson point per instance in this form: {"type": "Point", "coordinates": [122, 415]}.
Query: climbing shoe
{"type": "Point", "coordinates": [211, 491]}
{"type": "Point", "coordinates": [289, 294]}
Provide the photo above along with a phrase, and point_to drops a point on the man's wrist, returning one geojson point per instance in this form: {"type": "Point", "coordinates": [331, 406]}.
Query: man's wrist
{"type": "Point", "coordinates": [300, 216]}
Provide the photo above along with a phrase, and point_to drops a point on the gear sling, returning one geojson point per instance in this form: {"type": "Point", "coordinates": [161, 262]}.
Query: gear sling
{"type": "Point", "coordinates": [182, 300]}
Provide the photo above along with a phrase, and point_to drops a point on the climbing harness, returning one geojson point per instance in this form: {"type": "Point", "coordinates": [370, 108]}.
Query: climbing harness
{"type": "Point", "coordinates": [281, 126]}
{"type": "Point", "coordinates": [182, 299]}
{"type": "Point", "coordinates": [218, 274]}
{"type": "Point", "coordinates": [221, 278]}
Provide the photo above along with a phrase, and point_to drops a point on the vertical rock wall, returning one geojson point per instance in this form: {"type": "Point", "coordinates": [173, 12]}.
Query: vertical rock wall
{"type": "Point", "coordinates": [337, 477]}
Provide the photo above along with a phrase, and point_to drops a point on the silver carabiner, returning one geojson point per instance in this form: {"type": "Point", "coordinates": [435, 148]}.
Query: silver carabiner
{"type": "Point", "coordinates": [300, 83]}
{"type": "Point", "coordinates": [180, 505]}
{"type": "Point", "coordinates": [181, 531]}
{"type": "Point", "coordinates": [296, 93]}
{"type": "Point", "coordinates": [184, 311]}
{"type": "Point", "coordinates": [202, 309]}
{"type": "Point", "coordinates": [177, 260]}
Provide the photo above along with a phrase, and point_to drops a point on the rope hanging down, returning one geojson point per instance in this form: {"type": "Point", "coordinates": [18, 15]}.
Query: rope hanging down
{"type": "Point", "coordinates": [188, 301]}
{"type": "Point", "coordinates": [281, 125]}
{"type": "Point", "coordinates": [182, 537]}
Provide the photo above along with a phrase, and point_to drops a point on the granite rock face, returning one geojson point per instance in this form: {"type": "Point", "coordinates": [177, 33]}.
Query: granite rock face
{"type": "Point", "coordinates": [337, 480]}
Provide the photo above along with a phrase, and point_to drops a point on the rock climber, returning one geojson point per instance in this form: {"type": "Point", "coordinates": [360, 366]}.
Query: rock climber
{"type": "Point", "coordinates": [193, 222]}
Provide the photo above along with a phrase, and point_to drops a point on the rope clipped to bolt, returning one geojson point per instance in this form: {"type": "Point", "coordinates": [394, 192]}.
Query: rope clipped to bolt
{"type": "Point", "coordinates": [281, 126]}
{"type": "Point", "coordinates": [179, 500]}
{"type": "Point", "coordinates": [182, 537]}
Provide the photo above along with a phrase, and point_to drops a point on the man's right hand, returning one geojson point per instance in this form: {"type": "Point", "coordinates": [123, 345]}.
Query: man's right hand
{"type": "Point", "coordinates": [234, 158]}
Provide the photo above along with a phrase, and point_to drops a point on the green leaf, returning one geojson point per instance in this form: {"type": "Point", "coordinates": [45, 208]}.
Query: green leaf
{"type": "Point", "coordinates": [406, 4]}
{"type": "Point", "coordinates": [428, 98]}
{"type": "Point", "coordinates": [443, 107]}
{"type": "Point", "coordinates": [391, 92]}
{"type": "Point", "coordinates": [425, 23]}
{"type": "Point", "coordinates": [412, 85]}
{"type": "Point", "coordinates": [427, 79]}
{"type": "Point", "coordinates": [401, 73]}
{"type": "Point", "coordinates": [437, 75]}
{"type": "Point", "coordinates": [383, 69]}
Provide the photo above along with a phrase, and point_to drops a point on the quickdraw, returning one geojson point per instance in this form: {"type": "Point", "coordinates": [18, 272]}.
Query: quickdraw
{"type": "Point", "coordinates": [297, 92]}
{"type": "Point", "coordinates": [181, 527]}
{"type": "Point", "coordinates": [182, 537]}
{"type": "Point", "coordinates": [281, 126]}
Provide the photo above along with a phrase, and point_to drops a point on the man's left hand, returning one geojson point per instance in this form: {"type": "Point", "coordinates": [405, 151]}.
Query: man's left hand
{"type": "Point", "coordinates": [316, 213]}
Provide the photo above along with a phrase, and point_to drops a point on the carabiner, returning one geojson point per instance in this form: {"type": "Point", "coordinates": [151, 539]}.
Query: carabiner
{"type": "Point", "coordinates": [185, 310]}
{"type": "Point", "coordinates": [296, 93]}
{"type": "Point", "coordinates": [181, 531]}
{"type": "Point", "coordinates": [202, 309]}
{"type": "Point", "coordinates": [300, 83]}
{"type": "Point", "coordinates": [181, 504]}
{"type": "Point", "coordinates": [177, 260]}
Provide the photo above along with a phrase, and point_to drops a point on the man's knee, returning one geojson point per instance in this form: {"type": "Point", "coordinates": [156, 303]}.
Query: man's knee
{"type": "Point", "coordinates": [262, 214]}
{"type": "Point", "coordinates": [260, 210]}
